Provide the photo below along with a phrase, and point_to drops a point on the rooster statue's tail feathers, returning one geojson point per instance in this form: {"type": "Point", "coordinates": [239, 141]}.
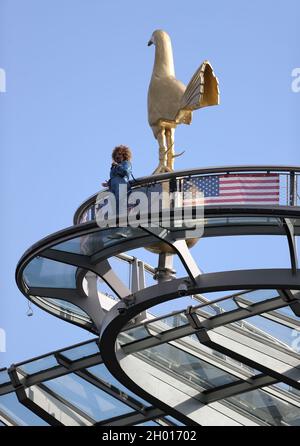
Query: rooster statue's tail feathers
{"type": "Point", "coordinates": [202, 91]}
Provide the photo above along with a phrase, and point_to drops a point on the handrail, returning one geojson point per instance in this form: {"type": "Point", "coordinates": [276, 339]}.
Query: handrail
{"type": "Point", "coordinates": [153, 179]}
{"type": "Point", "coordinates": [221, 169]}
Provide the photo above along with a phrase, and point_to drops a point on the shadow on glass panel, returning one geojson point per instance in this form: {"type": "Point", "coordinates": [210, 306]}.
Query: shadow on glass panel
{"type": "Point", "coordinates": [89, 399]}
{"type": "Point", "coordinates": [266, 407]}
{"type": "Point", "coordinates": [100, 371]}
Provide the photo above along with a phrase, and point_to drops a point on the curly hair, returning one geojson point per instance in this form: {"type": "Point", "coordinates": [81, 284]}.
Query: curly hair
{"type": "Point", "coordinates": [122, 150]}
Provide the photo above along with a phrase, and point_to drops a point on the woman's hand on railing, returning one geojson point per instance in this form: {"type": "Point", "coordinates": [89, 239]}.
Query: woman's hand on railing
{"type": "Point", "coordinates": [104, 184]}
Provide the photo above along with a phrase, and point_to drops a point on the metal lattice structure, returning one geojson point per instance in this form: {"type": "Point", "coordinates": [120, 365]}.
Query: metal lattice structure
{"type": "Point", "coordinates": [209, 363]}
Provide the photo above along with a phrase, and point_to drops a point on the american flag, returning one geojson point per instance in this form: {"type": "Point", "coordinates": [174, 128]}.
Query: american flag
{"type": "Point", "coordinates": [258, 188]}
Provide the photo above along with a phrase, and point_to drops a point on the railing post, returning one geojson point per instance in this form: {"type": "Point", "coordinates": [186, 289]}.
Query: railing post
{"type": "Point", "coordinates": [137, 276]}
{"type": "Point", "coordinates": [293, 194]}
{"type": "Point", "coordinates": [93, 212]}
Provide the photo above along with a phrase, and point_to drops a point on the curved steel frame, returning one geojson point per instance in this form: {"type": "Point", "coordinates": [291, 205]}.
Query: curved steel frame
{"type": "Point", "coordinates": [122, 313]}
{"type": "Point", "coordinates": [99, 264]}
{"type": "Point", "coordinates": [135, 301]}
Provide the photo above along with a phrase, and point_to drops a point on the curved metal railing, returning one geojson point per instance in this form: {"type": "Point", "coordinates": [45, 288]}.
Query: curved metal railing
{"type": "Point", "coordinates": [288, 192]}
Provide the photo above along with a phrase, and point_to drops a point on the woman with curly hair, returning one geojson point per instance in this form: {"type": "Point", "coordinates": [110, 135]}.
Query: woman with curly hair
{"type": "Point", "coordinates": [120, 172]}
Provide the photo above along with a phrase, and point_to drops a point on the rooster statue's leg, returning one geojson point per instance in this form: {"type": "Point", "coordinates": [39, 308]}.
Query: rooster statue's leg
{"type": "Point", "coordinates": [170, 133]}
{"type": "Point", "coordinates": [163, 149]}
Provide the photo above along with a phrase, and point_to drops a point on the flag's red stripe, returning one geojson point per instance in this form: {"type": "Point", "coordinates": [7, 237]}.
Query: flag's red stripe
{"type": "Point", "coordinates": [243, 181]}
{"type": "Point", "coordinates": [249, 187]}
{"type": "Point", "coordinates": [224, 200]}
{"type": "Point", "coordinates": [271, 194]}
{"type": "Point", "coordinates": [233, 200]}
{"type": "Point", "coordinates": [261, 175]}
{"type": "Point", "coordinates": [241, 193]}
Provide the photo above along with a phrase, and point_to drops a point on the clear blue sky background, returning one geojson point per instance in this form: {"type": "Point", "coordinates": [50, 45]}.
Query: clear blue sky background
{"type": "Point", "coordinates": [77, 78]}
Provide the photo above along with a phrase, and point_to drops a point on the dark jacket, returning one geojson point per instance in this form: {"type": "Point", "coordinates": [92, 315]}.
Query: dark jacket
{"type": "Point", "coordinates": [119, 174]}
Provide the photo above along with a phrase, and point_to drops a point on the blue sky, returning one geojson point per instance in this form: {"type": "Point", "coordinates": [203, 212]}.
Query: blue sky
{"type": "Point", "coordinates": [77, 79]}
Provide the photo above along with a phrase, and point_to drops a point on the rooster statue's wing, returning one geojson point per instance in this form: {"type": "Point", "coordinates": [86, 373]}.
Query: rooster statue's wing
{"type": "Point", "coordinates": [202, 91]}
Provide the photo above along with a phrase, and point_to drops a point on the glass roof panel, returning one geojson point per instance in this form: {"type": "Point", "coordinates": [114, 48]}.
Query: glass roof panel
{"type": "Point", "coordinates": [91, 243]}
{"type": "Point", "coordinates": [42, 272]}
{"type": "Point", "coordinates": [101, 372]}
{"type": "Point", "coordinates": [267, 408]}
{"type": "Point", "coordinates": [81, 351]}
{"type": "Point", "coordinates": [187, 367]}
{"type": "Point", "coordinates": [289, 391]}
{"type": "Point", "coordinates": [4, 377]}
{"type": "Point", "coordinates": [235, 301]}
{"type": "Point", "coordinates": [275, 332]}
{"type": "Point", "coordinates": [153, 328]}
{"type": "Point", "coordinates": [226, 360]}
{"type": "Point", "coordinates": [132, 335]}
{"type": "Point", "coordinates": [174, 421]}
{"type": "Point", "coordinates": [242, 221]}
{"type": "Point", "coordinates": [258, 295]}
{"type": "Point", "coordinates": [67, 306]}
{"type": "Point", "coordinates": [10, 406]}
{"type": "Point", "coordinates": [96, 403]}
{"type": "Point", "coordinates": [147, 423]}
{"type": "Point", "coordinates": [207, 304]}
{"type": "Point", "coordinates": [221, 307]}
{"type": "Point", "coordinates": [286, 311]}
{"type": "Point", "coordinates": [180, 305]}
{"type": "Point", "coordinates": [166, 323]}
{"type": "Point", "coordinates": [37, 365]}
